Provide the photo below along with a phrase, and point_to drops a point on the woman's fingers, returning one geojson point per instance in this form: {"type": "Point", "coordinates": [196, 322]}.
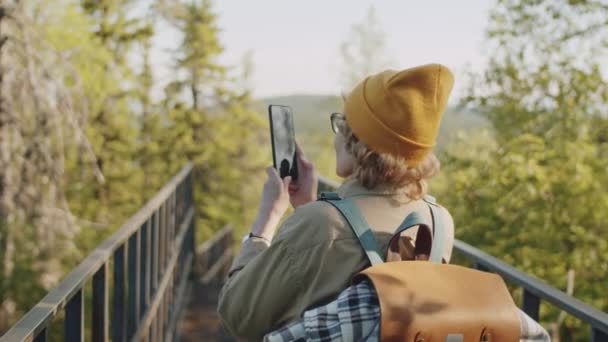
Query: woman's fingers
{"type": "Point", "coordinates": [287, 182]}
{"type": "Point", "coordinates": [300, 154]}
{"type": "Point", "coordinates": [302, 159]}
{"type": "Point", "coordinates": [293, 188]}
{"type": "Point", "coordinates": [273, 176]}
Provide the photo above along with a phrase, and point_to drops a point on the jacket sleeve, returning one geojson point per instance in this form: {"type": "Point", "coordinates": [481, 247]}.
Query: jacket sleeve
{"type": "Point", "coordinates": [261, 286]}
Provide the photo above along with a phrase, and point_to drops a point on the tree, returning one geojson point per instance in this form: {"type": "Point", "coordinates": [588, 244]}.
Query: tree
{"type": "Point", "coordinates": [112, 127]}
{"type": "Point", "coordinates": [42, 117]}
{"type": "Point", "coordinates": [212, 124]}
{"type": "Point", "coordinates": [150, 156]}
{"type": "Point", "coordinates": [364, 51]}
{"type": "Point", "coordinates": [532, 192]}
{"type": "Point", "coordinates": [544, 75]}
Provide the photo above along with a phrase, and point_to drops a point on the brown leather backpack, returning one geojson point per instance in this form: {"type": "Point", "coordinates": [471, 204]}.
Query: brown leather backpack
{"type": "Point", "coordinates": [427, 301]}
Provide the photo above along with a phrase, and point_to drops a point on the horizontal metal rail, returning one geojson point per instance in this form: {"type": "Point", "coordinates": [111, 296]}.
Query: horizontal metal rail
{"type": "Point", "coordinates": [326, 184]}
{"type": "Point", "coordinates": [533, 289]}
{"type": "Point", "coordinates": [147, 257]}
{"type": "Point", "coordinates": [214, 256]}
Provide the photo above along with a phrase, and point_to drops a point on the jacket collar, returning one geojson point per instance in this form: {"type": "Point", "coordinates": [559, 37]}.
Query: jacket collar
{"type": "Point", "coordinates": [352, 188]}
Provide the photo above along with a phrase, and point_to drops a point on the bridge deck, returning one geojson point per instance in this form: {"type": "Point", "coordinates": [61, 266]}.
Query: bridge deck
{"type": "Point", "coordinates": [200, 321]}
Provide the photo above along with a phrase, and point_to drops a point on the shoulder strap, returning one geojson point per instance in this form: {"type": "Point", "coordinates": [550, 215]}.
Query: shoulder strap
{"type": "Point", "coordinates": [436, 226]}
{"type": "Point", "coordinates": [438, 230]}
{"type": "Point", "coordinates": [360, 227]}
{"type": "Point", "coordinates": [358, 224]}
{"type": "Point", "coordinates": [414, 219]}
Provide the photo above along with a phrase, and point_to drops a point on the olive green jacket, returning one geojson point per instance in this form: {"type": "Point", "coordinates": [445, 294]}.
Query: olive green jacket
{"type": "Point", "coordinates": [310, 261]}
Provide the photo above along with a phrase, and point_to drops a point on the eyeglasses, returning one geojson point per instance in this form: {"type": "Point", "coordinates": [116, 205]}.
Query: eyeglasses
{"type": "Point", "coordinates": [335, 119]}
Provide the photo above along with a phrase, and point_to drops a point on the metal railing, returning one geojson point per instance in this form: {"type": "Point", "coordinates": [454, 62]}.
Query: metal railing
{"type": "Point", "coordinates": [214, 256]}
{"type": "Point", "coordinates": [533, 289]}
{"type": "Point", "coordinates": [148, 262]}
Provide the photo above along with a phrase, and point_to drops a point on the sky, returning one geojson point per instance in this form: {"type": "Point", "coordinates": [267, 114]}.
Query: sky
{"type": "Point", "coordinates": [295, 45]}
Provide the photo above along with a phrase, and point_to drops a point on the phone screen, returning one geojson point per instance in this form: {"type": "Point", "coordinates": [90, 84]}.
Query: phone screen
{"type": "Point", "coordinates": [283, 140]}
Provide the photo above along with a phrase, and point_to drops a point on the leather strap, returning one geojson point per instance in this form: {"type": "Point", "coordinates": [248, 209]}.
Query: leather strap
{"type": "Point", "coordinates": [358, 224]}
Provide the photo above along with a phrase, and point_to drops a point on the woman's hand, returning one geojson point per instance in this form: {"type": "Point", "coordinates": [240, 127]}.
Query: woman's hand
{"type": "Point", "coordinates": [273, 204]}
{"type": "Point", "coordinates": [304, 189]}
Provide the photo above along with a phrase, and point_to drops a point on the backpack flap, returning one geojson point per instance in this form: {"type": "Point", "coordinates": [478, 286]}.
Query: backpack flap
{"type": "Point", "coordinates": [434, 302]}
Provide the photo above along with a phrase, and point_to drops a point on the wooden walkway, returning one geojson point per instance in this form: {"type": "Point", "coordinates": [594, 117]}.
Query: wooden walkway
{"type": "Point", "coordinates": [201, 321]}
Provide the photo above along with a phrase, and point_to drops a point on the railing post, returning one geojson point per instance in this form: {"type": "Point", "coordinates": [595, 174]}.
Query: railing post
{"type": "Point", "coordinates": [481, 267]}
{"type": "Point", "coordinates": [531, 304]}
{"type": "Point", "coordinates": [100, 317]}
{"type": "Point", "coordinates": [162, 240]}
{"type": "Point", "coordinates": [153, 335]}
{"type": "Point", "coordinates": [42, 336]}
{"type": "Point", "coordinates": [144, 279]}
{"type": "Point", "coordinates": [159, 330]}
{"type": "Point", "coordinates": [134, 273]}
{"type": "Point", "coordinates": [155, 244]}
{"type": "Point", "coordinates": [155, 271]}
{"type": "Point", "coordinates": [119, 328]}
{"type": "Point", "coordinates": [598, 335]}
{"type": "Point", "coordinates": [190, 180]}
{"type": "Point", "coordinates": [166, 255]}
{"type": "Point", "coordinates": [74, 318]}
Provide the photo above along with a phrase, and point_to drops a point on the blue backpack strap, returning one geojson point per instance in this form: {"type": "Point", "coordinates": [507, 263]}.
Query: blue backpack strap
{"type": "Point", "coordinates": [358, 224]}
{"type": "Point", "coordinates": [438, 230]}
{"type": "Point", "coordinates": [413, 219]}
{"type": "Point", "coordinates": [436, 226]}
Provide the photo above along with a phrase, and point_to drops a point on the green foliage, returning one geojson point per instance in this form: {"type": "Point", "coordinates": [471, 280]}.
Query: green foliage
{"type": "Point", "coordinates": [529, 189]}
{"type": "Point", "coordinates": [213, 125]}
{"type": "Point", "coordinates": [538, 208]}
{"type": "Point", "coordinates": [532, 191]}
{"type": "Point", "coordinates": [137, 141]}
{"type": "Point", "coordinates": [112, 126]}
{"type": "Point", "coordinates": [40, 116]}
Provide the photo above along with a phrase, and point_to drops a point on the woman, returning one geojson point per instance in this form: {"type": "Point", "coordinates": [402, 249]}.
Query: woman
{"type": "Point", "coordinates": [383, 148]}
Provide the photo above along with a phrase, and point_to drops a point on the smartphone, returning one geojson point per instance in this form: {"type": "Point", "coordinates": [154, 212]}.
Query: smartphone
{"type": "Point", "coordinates": [282, 136]}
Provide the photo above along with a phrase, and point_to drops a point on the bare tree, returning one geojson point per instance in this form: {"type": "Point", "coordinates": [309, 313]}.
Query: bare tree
{"type": "Point", "coordinates": [41, 114]}
{"type": "Point", "coordinates": [364, 52]}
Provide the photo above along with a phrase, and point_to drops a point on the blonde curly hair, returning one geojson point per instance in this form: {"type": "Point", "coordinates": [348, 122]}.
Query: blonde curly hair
{"type": "Point", "coordinates": [372, 169]}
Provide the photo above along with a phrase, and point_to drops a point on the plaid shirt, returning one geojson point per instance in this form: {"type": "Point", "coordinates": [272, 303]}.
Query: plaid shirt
{"type": "Point", "coordinates": [355, 316]}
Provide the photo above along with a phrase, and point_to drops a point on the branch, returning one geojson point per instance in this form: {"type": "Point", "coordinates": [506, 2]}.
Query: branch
{"type": "Point", "coordinates": [587, 30]}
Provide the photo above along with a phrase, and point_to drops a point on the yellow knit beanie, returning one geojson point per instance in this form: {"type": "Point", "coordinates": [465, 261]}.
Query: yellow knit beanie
{"type": "Point", "coordinates": [398, 112]}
